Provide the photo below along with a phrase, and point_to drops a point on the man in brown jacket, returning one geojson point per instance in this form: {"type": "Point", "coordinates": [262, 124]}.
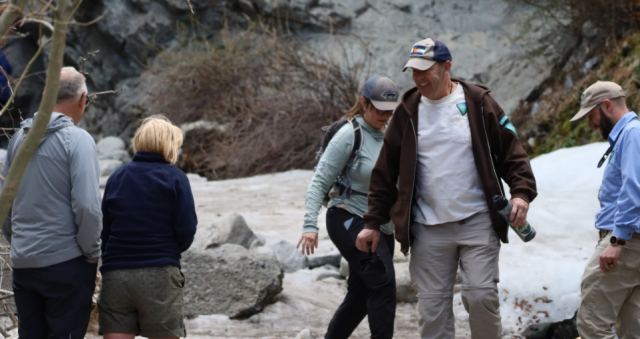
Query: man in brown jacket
{"type": "Point", "coordinates": [445, 150]}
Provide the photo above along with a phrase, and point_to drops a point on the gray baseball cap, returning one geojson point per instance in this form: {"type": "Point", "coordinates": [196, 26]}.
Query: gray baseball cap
{"type": "Point", "coordinates": [382, 92]}
{"type": "Point", "coordinates": [595, 95]}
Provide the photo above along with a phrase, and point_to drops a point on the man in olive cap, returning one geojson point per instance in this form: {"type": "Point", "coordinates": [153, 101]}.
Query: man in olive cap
{"type": "Point", "coordinates": [611, 280]}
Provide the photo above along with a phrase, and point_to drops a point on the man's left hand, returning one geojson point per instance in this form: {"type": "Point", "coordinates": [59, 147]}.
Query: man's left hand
{"type": "Point", "coordinates": [518, 212]}
{"type": "Point", "coordinates": [367, 240]}
{"type": "Point", "coordinates": [610, 258]}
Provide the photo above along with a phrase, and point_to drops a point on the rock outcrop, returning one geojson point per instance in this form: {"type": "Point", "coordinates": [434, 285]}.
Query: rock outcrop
{"type": "Point", "coordinates": [131, 33]}
{"type": "Point", "coordinates": [229, 280]}
{"type": "Point", "coordinates": [228, 229]}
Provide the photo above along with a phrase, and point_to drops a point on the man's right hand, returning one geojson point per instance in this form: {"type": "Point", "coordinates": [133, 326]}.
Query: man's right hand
{"type": "Point", "coordinates": [368, 240]}
{"type": "Point", "coordinates": [309, 241]}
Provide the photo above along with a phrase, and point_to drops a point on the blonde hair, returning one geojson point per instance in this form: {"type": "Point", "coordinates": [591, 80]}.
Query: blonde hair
{"type": "Point", "coordinates": [157, 134]}
{"type": "Point", "coordinates": [358, 108]}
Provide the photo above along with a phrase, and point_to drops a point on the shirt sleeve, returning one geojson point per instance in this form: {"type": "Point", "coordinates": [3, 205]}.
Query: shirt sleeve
{"type": "Point", "coordinates": [627, 217]}
{"type": "Point", "coordinates": [6, 225]}
{"type": "Point", "coordinates": [106, 221]}
{"type": "Point", "coordinates": [85, 194]}
{"type": "Point", "coordinates": [329, 167]}
{"type": "Point", "coordinates": [186, 219]}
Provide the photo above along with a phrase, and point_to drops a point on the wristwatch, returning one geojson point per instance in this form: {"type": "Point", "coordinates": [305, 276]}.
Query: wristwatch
{"type": "Point", "coordinates": [615, 241]}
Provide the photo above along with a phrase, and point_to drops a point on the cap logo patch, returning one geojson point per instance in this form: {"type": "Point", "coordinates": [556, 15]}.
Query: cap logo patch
{"type": "Point", "coordinates": [389, 94]}
{"type": "Point", "coordinates": [418, 50]}
{"type": "Point", "coordinates": [581, 97]}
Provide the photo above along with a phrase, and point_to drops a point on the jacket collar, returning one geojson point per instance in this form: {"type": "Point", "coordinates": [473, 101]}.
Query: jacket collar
{"type": "Point", "coordinates": [149, 157]}
{"type": "Point", "coordinates": [473, 92]}
{"type": "Point", "coordinates": [617, 129]}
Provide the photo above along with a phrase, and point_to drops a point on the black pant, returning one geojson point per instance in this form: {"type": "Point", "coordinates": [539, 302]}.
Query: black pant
{"type": "Point", "coordinates": [371, 293]}
{"type": "Point", "coordinates": [54, 301]}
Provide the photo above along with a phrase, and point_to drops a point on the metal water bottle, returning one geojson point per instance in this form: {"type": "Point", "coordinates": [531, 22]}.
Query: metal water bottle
{"type": "Point", "coordinates": [503, 206]}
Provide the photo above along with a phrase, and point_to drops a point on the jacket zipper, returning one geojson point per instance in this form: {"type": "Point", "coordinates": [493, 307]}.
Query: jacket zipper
{"type": "Point", "coordinates": [486, 136]}
{"type": "Point", "coordinates": [415, 164]}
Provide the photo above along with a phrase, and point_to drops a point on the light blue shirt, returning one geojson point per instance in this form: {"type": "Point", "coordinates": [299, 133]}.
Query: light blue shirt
{"type": "Point", "coordinates": [330, 166]}
{"type": "Point", "coordinates": [620, 191]}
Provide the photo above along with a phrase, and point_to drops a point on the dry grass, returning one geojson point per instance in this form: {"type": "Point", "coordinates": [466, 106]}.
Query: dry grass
{"type": "Point", "coordinates": [268, 96]}
{"type": "Point", "coordinates": [613, 17]}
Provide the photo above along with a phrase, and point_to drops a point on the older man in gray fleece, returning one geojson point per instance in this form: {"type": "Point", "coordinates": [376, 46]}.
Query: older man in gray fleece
{"type": "Point", "coordinates": [56, 220]}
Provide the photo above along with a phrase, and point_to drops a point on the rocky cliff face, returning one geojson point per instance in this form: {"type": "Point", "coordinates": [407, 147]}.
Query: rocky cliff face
{"type": "Point", "coordinates": [132, 32]}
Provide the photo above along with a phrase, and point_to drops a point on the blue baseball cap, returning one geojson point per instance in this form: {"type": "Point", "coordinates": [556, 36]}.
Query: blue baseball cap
{"type": "Point", "coordinates": [382, 92]}
{"type": "Point", "coordinates": [425, 53]}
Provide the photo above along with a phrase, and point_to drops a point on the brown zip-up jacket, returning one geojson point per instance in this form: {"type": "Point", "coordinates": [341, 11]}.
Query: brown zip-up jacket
{"type": "Point", "coordinates": [496, 149]}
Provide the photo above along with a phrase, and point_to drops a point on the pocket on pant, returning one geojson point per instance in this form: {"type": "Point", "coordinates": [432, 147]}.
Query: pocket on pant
{"type": "Point", "coordinates": [180, 279]}
{"type": "Point", "coordinates": [630, 265]}
{"type": "Point", "coordinates": [348, 223]}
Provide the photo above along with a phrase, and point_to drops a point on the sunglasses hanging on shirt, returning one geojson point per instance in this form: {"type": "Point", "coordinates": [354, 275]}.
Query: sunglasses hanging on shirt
{"type": "Point", "coordinates": [605, 156]}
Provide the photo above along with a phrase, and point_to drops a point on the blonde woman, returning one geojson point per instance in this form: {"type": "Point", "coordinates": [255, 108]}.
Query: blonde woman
{"type": "Point", "coordinates": [369, 293]}
{"type": "Point", "coordinates": [149, 219]}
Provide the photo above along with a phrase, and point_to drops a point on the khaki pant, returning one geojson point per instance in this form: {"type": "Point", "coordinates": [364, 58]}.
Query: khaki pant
{"type": "Point", "coordinates": [435, 255]}
{"type": "Point", "coordinates": [613, 298]}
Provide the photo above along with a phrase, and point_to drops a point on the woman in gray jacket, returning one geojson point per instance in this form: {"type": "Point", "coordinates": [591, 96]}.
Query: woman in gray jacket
{"type": "Point", "coordinates": [370, 292]}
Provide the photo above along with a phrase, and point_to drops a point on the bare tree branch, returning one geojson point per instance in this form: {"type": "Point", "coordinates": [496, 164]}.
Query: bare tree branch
{"type": "Point", "coordinates": [94, 96]}
{"type": "Point", "coordinates": [42, 22]}
{"type": "Point", "coordinates": [89, 56]}
{"type": "Point", "coordinates": [76, 23]}
{"type": "Point", "coordinates": [10, 14]}
{"type": "Point", "coordinates": [24, 75]}
{"type": "Point", "coordinates": [63, 13]}
{"type": "Point", "coordinates": [190, 7]}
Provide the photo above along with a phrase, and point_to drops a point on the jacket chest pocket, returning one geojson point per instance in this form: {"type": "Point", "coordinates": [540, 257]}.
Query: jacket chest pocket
{"type": "Point", "coordinates": [459, 130]}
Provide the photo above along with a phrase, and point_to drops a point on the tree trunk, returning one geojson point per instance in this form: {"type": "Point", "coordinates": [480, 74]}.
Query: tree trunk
{"type": "Point", "coordinates": [11, 13]}
{"type": "Point", "coordinates": [63, 13]}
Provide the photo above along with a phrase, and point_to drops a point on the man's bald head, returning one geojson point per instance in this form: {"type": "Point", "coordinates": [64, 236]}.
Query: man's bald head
{"type": "Point", "coordinates": [72, 85]}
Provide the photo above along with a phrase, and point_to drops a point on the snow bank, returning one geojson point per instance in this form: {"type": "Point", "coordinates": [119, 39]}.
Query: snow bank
{"type": "Point", "coordinates": [540, 280]}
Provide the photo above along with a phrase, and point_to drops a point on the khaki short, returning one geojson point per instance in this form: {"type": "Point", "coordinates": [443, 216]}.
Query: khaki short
{"type": "Point", "coordinates": [142, 301]}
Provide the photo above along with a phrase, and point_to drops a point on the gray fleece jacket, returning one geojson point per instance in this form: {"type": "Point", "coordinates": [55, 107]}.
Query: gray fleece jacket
{"type": "Point", "coordinates": [56, 215]}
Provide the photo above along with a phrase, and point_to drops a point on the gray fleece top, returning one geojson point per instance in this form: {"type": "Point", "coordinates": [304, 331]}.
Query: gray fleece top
{"type": "Point", "coordinates": [56, 215]}
{"type": "Point", "coordinates": [330, 166]}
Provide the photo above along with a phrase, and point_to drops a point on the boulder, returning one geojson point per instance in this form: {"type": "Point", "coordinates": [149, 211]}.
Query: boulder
{"type": "Point", "coordinates": [330, 274]}
{"type": "Point", "coordinates": [319, 260]}
{"type": "Point", "coordinates": [344, 268]}
{"type": "Point", "coordinates": [305, 334]}
{"type": "Point", "coordinates": [103, 182]}
{"type": "Point", "coordinates": [107, 167]}
{"type": "Point", "coordinates": [406, 289]}
{"type": "Point", "coordinates": [289, 256]}
{"type": "Point", "coordinates": [120, 155]}
{"type": "Point", "coordinates": [259, 241]}
{"type": "Point", "coordinates": [229, 280]}
{"type": "Point", "coordinates": [109, 145]}
{"type": "Point", "coordinates": [229, 229]}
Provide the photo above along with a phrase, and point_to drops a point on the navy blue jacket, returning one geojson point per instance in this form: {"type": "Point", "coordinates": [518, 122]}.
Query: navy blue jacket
{"type": "Point", "coordinates": [149, 217]}
{"type": "Point", "coordinates": [5, 92]}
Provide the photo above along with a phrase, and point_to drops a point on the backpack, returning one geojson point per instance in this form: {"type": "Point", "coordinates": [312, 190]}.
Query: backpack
{"type": "Point", "coordinates": [339, 189]}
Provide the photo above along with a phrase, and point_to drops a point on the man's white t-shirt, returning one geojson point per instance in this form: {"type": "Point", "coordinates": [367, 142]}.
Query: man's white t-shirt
{"type": "Point", "coordinates": [447, 183]}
